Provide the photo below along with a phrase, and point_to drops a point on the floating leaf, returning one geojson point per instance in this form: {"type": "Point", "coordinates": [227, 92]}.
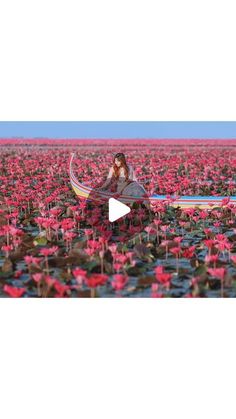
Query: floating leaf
{"type": "Point", "coordinates": [40, 241]}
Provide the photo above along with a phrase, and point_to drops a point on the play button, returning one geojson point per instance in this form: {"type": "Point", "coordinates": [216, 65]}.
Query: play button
{"type": "Point", "coordinates": [116, 209]}
{"type": "Point", "coordinates": [116, 218]}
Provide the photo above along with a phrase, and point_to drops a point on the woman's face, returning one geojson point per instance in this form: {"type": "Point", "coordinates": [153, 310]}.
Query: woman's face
{"type": "Point", "coordinates": [117, 162]}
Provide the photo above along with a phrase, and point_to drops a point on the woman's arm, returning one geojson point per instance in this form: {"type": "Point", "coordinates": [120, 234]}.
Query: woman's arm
{"type": "Point", "coordinates": [132, 175]}
{"type": "Point", "coordinates": [108, 180]}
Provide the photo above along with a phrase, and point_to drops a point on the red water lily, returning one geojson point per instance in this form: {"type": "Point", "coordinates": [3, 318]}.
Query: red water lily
{"type": "Point", "coordinates": [119, 281]}
{"type": "Point", "coordinates": [80, 275]}
{"type": "Point", "coordinates": [96, 279]}
{"type": "Point", "coordinates": [233, 258]}
{"type": "Point", "coordinates": [14, 291]}
{"type": "Point", "coordinates": [218, 272]}
{"type": "Point", "coordinates": [162, 277]}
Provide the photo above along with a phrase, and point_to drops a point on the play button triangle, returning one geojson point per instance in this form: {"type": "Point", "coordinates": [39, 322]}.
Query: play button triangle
{"type": "Point", "coordinates": [117, 209]}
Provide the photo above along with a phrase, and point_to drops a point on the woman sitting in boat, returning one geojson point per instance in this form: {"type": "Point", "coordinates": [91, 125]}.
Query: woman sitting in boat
{"type": "Point", "coordinates": [121, 179]}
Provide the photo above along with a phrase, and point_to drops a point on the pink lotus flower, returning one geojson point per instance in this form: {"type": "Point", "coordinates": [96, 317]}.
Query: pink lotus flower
{"type": "Point", "coordinates": [164, 278]}
{"type": "Point", "coordinates": [119, 281]}
{"type": "Point", "coordinates": [37, 277]}
{"type": "Point", "coordinates": [88, 232]}
{"type": "Point", "coordinates": [161, 276]}
{"type": "Point", "coordinates": [189, 253]}
{"type": "Point", "coordinates": [80, 275]}
{"type": "Point", "coordinates": [14, 291]}
{"type": "Point", "coordinates": [217, 272]}
{"type": "Point", "coordinates": [117, 266]}
{"type": "Point", "coordinates": [175, 250]}
{"type": "Point", "coordinates": [48, 251]}
{"type": "Point", "coordinates": [28, 259]}
{"type": "Point", "coordinates": [207, 231]}
{"type": "Point", "coordinates": [50, 281]}
{"type": "Point", "coordinates": [164, 228]}
{"type": "Point", "coordinates": [61, 288]}
{"type": "Point", "coordinates": [233, 258]}
{"type": "Point", "coordinates": [159, 270]}
{"type": "Point", "coordinates": [178, 239]}
{"type": "Point", "coordinates": [7, 248]}
{"type": "Point", "coordinates": [18, 274]}
{"type": "Point", "coordinates": [211, 258]}
{"type": "Point", "coordinates": [209, 243]}
{"type": "Point", "coordinates": [96, 279]}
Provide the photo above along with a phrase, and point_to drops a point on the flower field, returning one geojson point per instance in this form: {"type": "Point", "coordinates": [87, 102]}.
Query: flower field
{"type": "Point", "coordinates": [47, 245]}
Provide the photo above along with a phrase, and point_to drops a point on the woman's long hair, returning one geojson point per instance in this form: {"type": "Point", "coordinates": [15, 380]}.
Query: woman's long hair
{"type": "Point", "coordinates": [121, 158]}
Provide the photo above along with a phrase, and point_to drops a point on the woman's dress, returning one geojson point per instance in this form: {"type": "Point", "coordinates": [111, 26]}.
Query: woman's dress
{"type": "Point", "coordinates": [129, 187]}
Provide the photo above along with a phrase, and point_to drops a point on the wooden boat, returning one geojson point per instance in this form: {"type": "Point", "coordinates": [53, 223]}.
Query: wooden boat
{"type": "Point", "coordinates": [87, 192]}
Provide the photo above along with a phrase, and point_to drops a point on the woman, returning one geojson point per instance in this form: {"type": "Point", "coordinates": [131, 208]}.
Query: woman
{"type": "Point", "coordinates": [121, 179]}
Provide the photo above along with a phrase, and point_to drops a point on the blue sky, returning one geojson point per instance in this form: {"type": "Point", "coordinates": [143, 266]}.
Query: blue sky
{"type": "Point", "coordinates": [123, 129]}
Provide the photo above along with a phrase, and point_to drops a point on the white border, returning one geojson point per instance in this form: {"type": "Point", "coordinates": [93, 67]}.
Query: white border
{"type": "Point", "coordinates": [126, 60]}
{"type": "Point", "coordinates": [104, 60]}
